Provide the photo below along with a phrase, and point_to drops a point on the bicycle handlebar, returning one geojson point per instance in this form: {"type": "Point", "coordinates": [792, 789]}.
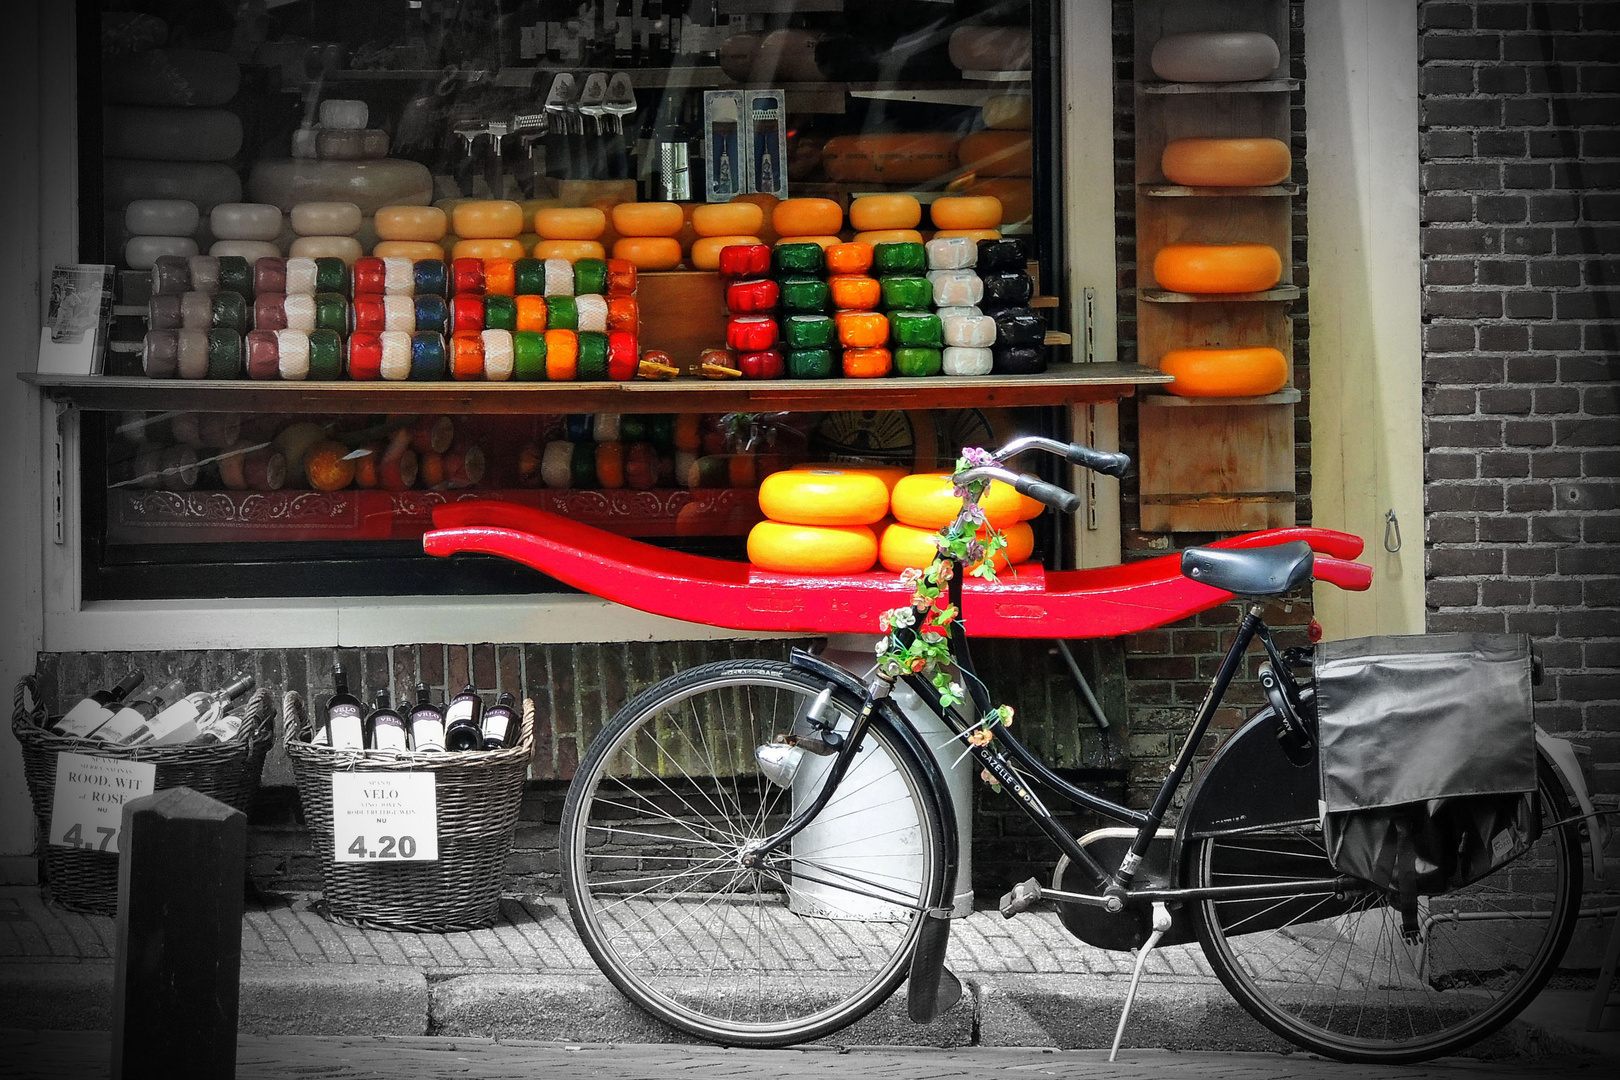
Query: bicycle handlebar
{"type": "Point", "coordinates": [1109, 464]}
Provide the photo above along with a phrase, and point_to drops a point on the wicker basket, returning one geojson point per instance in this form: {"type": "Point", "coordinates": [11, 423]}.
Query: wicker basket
{"type": "Point", "coordinates": [229, 771]}
{"type": "Point", "coordinates": [479, 796]}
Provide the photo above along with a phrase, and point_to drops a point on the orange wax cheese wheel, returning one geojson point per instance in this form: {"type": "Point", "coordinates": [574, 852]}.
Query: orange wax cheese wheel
{"type": "Point", "coordinates": [853, 258]}
{"type": "Point", "coordinates": [997, 153]}
{"type": "Point", "coordinates": [649, 252]}
{"type": "Point", "coordinates": [971, 234]}
{"type": "Point", "coordinates": [885, 236]}
{"type": "Point", "coordinates": [823, 497]}
{"type": "Point", "coordinates": [414, 250]}
{"type": "Point", "coordinates": [570, 222]}
{"type": "Point", "coordinates": [1226, 162]}
{"type": "Point", "coordinates": [965, 212]}
{"type": "Point", "coordinates": [530, 207]}
{"type": "Point", "coordinates": [728, 219]}
{"type": "Point", "coordinates": [1029, 508]}
{"type": "Point", "coordinates": [824, 242]}
{"type": "Point", "coordinates": [572, 250]}
{"type": "Point", "coordinates": [487, 248]}
{"type": "Point", "coordinates": [812, 549]}
{"type": "Point", "coordinates": [902, 547]}
{"type": "Point", "coordinates": [908, 158]}
{"type": "Point", "coordinates": [1217, 268]}
{"type": "Point", "coordinates": [649, 219]}
{"type": "Point", "coordinates": [927, 501]}
{"type": "Point", "coordinates": [807, 217]}
{"type": "Point", "coordinates": [889, 474]}
{"type": "Point", "coordinates": [1016, 194]}
{"type": "Point", "coordinates": [1241, 372]}
{"type": "Point", "coordinates": [862, 329]}
{"type": "Point", "coordinates": [420, 223]}
{"type": "Point", "coordinates": [706, 251]}
{"type": "Point", "coordinates": [870, 213]}
{"type": "Point", "coordinates": [484, 219]}
{"type": "Point", "coordinates": [854, 292]}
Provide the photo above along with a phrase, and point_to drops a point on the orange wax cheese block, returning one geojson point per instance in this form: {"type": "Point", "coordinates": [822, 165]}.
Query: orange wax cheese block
{"type": "Point", "coordinates": [1217, 268]}
{"type": "Point", "coordinates": [854, 292]}
{"type": "Point", "coordinates": [908, 158]}
{"type": "Point", "coordinates": [812, 549]}
{"type": "Point", "coordinates": [415, 250]}
{"type": "Point", "coordinates": [487, 248]}
{"type": "Point", "coordinates": [1226, 162]}
{"type": "Point", "coordinates": [825, 242]}
{"type": "Point", "coordinates": [902, 547]}
{"type": "Point", "coordinates": [649, 219]}
{"type": "Point", "coordinates": [870, 213]}
{"type": "Point", "coordinates": [889, 474]}
{"type": "Point", "coordinates": [997, 153]}
{"type": "Point", "coordinates": [727, 219]}
{"type": "Point", "coordinates": [853, 258]}
{"type": "Point", "coordinates": [867, 363]}
{"type": "Point", "coordinates": [862, 329]}
{"type": "Point", "coordinates": [572, 250]}
{"type": "Point", "coordinates": [649, 252]}
{"type": "Point", "coordinates": [886, 236]}
{"type": "Point", "coordinates": [1015, 193]}
{"type": "Point", "coordinates": [823, 497]}
{"type": "Point", "coordinates": [965, 212]}
{"type": "Point", "coordinates": [927, 501]}
{"type": "Point", "coordinates": [486, 219]}
{"type": "Point", "coordinates": [807, 217]}
{"type": "Point", "coordinates": [569, 223]}
{"type": "Point", "coordinates": [706, 250]}
{"type": "Point", "coordinates": [971, 234]}
{"type": "Point", "coordinates": [1236, 372]}
{"type": "Point", "coordinates": [421, 223]}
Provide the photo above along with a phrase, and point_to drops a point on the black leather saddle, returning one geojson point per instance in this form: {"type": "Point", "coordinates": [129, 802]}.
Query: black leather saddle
{"type": "Point", "coordinates": [1261, 571]}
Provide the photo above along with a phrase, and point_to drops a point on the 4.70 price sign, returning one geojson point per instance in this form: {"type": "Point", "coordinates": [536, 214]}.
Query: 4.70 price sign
{"type": "Point", "coordinates": [385, 817]}
{"type": "Point", "coordinates": [87, 806]}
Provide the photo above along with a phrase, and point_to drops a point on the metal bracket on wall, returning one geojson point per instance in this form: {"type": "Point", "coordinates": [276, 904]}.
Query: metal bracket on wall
{"type": "Point", "coordinates": [1088, 325]}
{"type": "Point", "coordinates": [58, 440]}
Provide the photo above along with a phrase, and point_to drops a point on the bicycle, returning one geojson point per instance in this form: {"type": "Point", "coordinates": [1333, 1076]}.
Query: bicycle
{"type": "Point", "coordinates": [690, 844]}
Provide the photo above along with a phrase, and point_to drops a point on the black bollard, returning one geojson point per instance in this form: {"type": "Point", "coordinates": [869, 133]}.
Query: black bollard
{"type": "Point", "coordinates": [179, 937]}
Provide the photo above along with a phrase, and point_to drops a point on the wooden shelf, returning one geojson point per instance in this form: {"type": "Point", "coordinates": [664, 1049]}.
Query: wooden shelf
{"type": "Point", "coordinates": [1257, 86]}
{"type": "Point", "coordinates": [1061, 384]}
{"type": "Point", "coordinates": [1286, 396]}
{"type": "Point", "coordinates": [1181, 191]}
{"type": "Point", "coordinates": [1165, 296]}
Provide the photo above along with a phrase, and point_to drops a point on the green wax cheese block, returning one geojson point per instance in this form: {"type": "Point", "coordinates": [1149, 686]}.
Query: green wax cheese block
{"type": "Point", "coordinates": [500, 313]}
{"type": "Point", "coordinates": [236, 276]}
{"type": "Point", "coordinates": [809, 363]}
{"type": "Point", "coordinates": [805, 293]}
{"type": "Point", "coordinates": [798, 259]}
{"type": "Point", "coordinates": [331, 275]}
{"type": "Point", "coordinates": [809, 331]}
{"type": "Point", "coordinates": [325, 354]}
{"type": "Point", "coordinates": [593, 353]}
{"type": "Point", "coordinates": [529, 356]}
{"type": "Point", "coordinates": [590, 276]}
{"type": "Point", "coordinates": [916, 328]}
{"type": "Point", "coordinates": [331, 312]}
{"type": "Point", "coordinates": [562, 313]}
{"type": "Point", "coordinates": [529, 276]}
{"type": "Point", "coordinates": [903, 292]}
{"type": "Point", "coordinates": [913, 361]}
{"type": "Point", "coordinates": [904, 258]}
{"type": "Point", "coordinates": [582, 463]}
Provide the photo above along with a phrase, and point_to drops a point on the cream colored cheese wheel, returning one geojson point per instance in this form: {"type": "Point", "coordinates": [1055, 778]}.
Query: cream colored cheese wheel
{"type": "Point", "coordinates": [419, 223]}
{"type": "Point", "coordinates": [164, 217]}
{"type": "Point", "coordinates": [325, 219]}
{"type": "Point", "coordinates": [344, 114]}
{"type": "Point", "coordinates": [728, 219]}
{"type": "Point", "coordinates": [140, 252]}
{"type": "Point", "coordinates": [346, 248]}
{"type": "Point", "coordinates": [1009, 112]}
{"type": "Point", "coordinates": [245, 221]}
{"type": "Point", "coordinates": [823, 497]}
{"type": "Point", "coordinates": [1215, 56]}
{"type": "Point", "coordinates": [251, 250]}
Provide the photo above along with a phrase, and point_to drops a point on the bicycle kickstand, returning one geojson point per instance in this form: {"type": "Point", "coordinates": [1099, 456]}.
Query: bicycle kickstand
{"type": "Point", "coordinates": [1161, 923]}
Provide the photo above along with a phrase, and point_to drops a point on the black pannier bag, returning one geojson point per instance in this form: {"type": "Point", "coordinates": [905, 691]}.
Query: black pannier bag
{"type": "Point", "coordinates": [1428, 758]}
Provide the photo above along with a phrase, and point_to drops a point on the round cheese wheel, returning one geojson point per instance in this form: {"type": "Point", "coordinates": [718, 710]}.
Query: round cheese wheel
{"type": "Point", "coordinates": [728, 219]}
{"type": "Point", "coordinates": [991, 48]}
{"type": "Point", "coordinates": [1009, 112]}
{"type": "Point", "coordinates": [569, 223]}
{"type": "Point", "coordinates": [649, 252]}
{"type": "Point", "coordinates": [487, 248]}
{"type": "Point", "coordinates": [140, 252]}
{"type": "Point", "coordinates": [1015, 193]}
{"type": "Point", "coordinates": [649, 219]}
{"type": "Point", "coordinates": [884, 236]}
{"type": "Point", "coordinates": [251, 250]}
{"type": "Point", "coordinates": [346, 248]}
{"type": "Point", "coordinates": [823, 497]}
{"type": "Point", "coordinates": [345, 114]}
{"type": "Point", "coordinates": [418, 223]}
{"type": "Point", "coordinates": [205, 183]}
{"type": "Point", "coordinates": [807, 217]}
{"type": "Point", "coordinates": [871, 213]}
{"type": "Point", "coordinates": [488, 219]}
{"type": "Point", "coordinates": [1215, 56]}
{"type": "Point", "coordinates": [965, 212]}
{"type": "Point", "coordinates": [245, 221]}
{"type": "Point", "coordinates": [370, 185]}
{"type": "Point", "coordinates": [165, 134]}
{"type": "Point", "coordinates": [325, 219]}
{"type": "Point", "coordinates": [812, 549]}
{"type": "Point", "coordinates": [824, 241]}
{"type": "Point", "coordinates": [972, 234]}
{"type": "Point", "coordinates": [1217, 268]}
{"type": "Point", "coordinates": [706, 251]}
{"type": "Point", "coordinates": [997, 153]}
{"type": "Point", "coordinates": [909, 158]}
{"type": "Point", "coordinates": [1226, 162]}
{"type": "Point", "coordinates": [415, 250]}
{"type": "Point", "coordinates": [166, 217]}
{"type": "Point", "coordinates": [902, 547]}
{"type": "Point", "coordinates": [927, 501]}
{"type": "Point", "coordinates": [889, 474]}
{"type": "Point", "coordinates": [1225, 372]}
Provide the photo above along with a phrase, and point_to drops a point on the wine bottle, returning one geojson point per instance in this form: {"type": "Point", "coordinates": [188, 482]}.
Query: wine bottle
{"type": "Point", "coordinates": [182, 721]}
{"type": "Point", "coordinates": [95, 709]}
{"type": "Point", "coordinates": [132, 722]}
{"type": "Point", "coordinates": [501, 723]}
{"type": "Point", "coordinates": [385, 728]}
{"type": "Point", "coordinates": [427, 723]}
{"type": "Point", "coordinates": [462, 721]}
{"type": "Point", "coordinates": [344, 728]}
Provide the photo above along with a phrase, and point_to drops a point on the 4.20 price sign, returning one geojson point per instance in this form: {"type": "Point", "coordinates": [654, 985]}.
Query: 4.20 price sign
{"type": "Point", "coordinates": [385, 817]}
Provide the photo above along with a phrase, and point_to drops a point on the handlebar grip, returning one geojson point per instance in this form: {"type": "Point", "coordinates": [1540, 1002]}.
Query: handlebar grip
{"type": "Point", "coordinates": [1050, 494]}
{"type": "Point", "coordinates": [1097, 460]}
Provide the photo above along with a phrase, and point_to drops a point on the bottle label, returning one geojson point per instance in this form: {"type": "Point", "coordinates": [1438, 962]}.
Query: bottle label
{"type": "Point", "coordinates": [178, 723]}
{"type": "Point", "coordinates": [498, 726]}
{"type": "Point", "coordinates": [348, 733]}
{"type": "Point", "coordinates": [427, 730]}
{"type": "Point", "coordinates": [460, 711]}
{"type": "Point", "coordinates": [83, 718]}
{"type": "Point", "coordinates": [124, 724]}
{"type": "Point", "coordinates": [388, 732]}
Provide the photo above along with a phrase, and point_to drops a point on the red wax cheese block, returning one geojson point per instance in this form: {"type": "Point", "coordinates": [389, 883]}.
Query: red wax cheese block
{"type": "Point", "coordinates": [824, 497]}
{"type": "Point", "coordinates": [1217, 268]}
{"type": "Point", "coordinates": [1225, 372]}
{"type": "Point", "coordinates": [1226, 162]}
{"type": "Point", "coordinates": [812, 549]}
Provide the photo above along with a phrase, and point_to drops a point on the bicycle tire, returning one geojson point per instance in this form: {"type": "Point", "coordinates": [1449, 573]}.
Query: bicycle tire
{"type": "Point", "coordinates": [650, 866]}
{"type": "Point", "coordinates": [1336, 977]}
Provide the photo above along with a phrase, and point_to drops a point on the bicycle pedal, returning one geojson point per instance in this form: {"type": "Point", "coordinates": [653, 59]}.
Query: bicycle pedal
{"type": "Point", "coordinates": [1023, 897]}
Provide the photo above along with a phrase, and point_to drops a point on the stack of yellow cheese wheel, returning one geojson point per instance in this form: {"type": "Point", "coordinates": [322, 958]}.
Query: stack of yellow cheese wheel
{"type": "Point", "coordinates": [486, 229]}
{"type": "Point", "coordinates": [924, 503]}
{"type": "Point", "coordinates": [819, 520]}
{"type": "Point", "coordinates": [569, 232]}
{"type": "Point", "coordinates": [410, 232]}
{"type": "Point", "coordinates": [802, 221]}
{"type": "Point", "coordinates": [886, 219]}
{"type": "Point", "coordinates": [647, 233]}
{"type": "Point", "coordinates": [722, 225]}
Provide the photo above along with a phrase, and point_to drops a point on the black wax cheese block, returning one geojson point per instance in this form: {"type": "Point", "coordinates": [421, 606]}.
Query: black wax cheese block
{"type": "Point", "coordinates": [1018, 359]}
{"type": "Point", "coordinates": [1007, 288]}
{"type": "Point", "coordinates": [1019, 326]}
{"type": "Point", "coordinates": [1004, 254]}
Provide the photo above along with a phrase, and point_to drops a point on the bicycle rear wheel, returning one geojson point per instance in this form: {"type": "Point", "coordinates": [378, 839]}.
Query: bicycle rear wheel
{"type": "Point", "coordinates": [1334, 974]}
{"type": "Point", "coordinates": [659, 814]}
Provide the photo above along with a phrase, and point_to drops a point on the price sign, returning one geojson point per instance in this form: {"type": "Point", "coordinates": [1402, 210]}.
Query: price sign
{"type": "Point", "coordinates": [385, 817]}
{"type": "Point", "coordinates": [87, 809]}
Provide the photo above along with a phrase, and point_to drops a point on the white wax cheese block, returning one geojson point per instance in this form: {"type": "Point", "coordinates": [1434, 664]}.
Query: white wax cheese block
{"type": "Point", "coordinates": [171, 134]}
{"type": "Point", "coordinates": [607, 427]}
{"type": "Point", "coordinates": [370, 185]}
{"type": "Point", "coordinates": [251, 250]}
{"type": "Point", "coordinates": [1009, 112]}
{"type": "Point", "coordinates": [957, 360]}
{"type": "Point", "coordinates": [952, 253]}
{"type": "Point", "coordinates": [970, 331]}
{"type": "Point", "coordinates": [592, 312]}
{"type": "Point", "coordinates": [305, 141]}
{"type": "Point", "coordinates": [555, 462]}
{"type": "Point", "coordinates": [399, 277]}
{"type": "Point", "coordinates": [170, 77]}
{"type": "Point", "coordinates": [1215, 56]}
{"type": "Point", "coordinates": [161, 217]}
{"type": "Point", "coordinates": [498, 355]}
{"type": "Point", "coordinates": [300, 277]}
{"type": "Point", "coordinates": [293, 349]}
{"type": "Point", "coordinates": [245, 221]}
{"type": "Point", "coordinates": [953, 312]}
{"type": "Point", "coordinates": [399, 313]}
{"type": "Point", "coordinates": [956, 288]}
{"type": "Point", "coordinates": [206, 183]}
{"type": "Point", "coordinates": [396, 354]}
{"type": "Point", "coordinates": [346, 248]}
{"type": "Point", "coordinates": [559, 277]}
{"type": "Point", "coordinates": [326, 219]}
{"type": "Point", "coordinates": [196, 311]}
{"type": "Point", "coordinates": [421, 223]}
{"type": "Point", "coordinates": [140, 252]}
{"type": "Point", "coordinates": [193, 359]}
{"type": "Point", "coordinates": [300, 311]}
{"type": "Point", "coordinates": [345, 113]}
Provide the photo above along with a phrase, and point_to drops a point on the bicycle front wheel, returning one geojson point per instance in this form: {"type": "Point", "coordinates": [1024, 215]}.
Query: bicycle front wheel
{"type": "Point", "coordinates": [1335, 974]}
{"type": "Point", "coordinates": [664, 806]}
